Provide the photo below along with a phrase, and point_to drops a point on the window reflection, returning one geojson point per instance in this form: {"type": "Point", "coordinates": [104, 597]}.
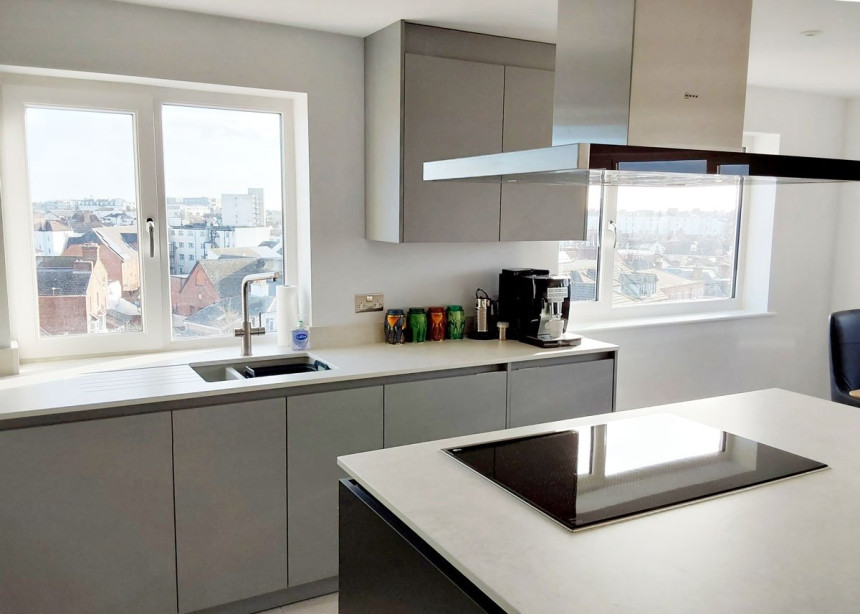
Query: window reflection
{"type": "Point", "coordinates": [630, 444]}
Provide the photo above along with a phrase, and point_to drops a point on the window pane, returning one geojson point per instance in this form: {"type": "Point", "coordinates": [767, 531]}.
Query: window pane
{"type": "Point", "coordinates": [675, 244]}
{"type": "Point", "coordinates": [222, 175]}
{"type": "Point", "coordinates": [579, 259]}
{"type": "Point", "coordinates": [83, 190]}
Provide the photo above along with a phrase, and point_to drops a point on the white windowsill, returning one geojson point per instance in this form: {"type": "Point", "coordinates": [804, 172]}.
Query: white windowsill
{"type": "Point", "coordinates": [693, 318]}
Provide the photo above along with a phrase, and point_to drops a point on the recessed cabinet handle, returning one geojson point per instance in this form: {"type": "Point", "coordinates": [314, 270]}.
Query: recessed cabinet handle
{"type": "Point", "coordinates": [150, 228]}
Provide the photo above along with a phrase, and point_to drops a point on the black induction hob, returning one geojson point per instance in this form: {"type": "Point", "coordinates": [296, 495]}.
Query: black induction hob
{"type": "Point", "coordinates": [590, 475]}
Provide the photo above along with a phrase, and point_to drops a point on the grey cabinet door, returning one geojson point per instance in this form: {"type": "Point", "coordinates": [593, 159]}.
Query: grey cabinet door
{"type": "Point", "coordinates": [559, 392]}
{"type": "Point", "coordinates": [86, 517]}
{"type": "Point", "coordinates": [446, 407]}
{"type": "Point", "coordinates": [528, 108]}
{"type": "Point", "coordinates": [321, 427]}
{"type": "Point", "coordinates": [452, 109]}
{"type": "Point", "coordinates": [231, 502]}
{"type": "Point", "coordinates": [532, 211]}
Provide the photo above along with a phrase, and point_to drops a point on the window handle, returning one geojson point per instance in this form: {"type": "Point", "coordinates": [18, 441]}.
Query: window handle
{"type": "Point", "coordinates": [614, 230]}
{"type": "Point", "coordinates": [150, 229]}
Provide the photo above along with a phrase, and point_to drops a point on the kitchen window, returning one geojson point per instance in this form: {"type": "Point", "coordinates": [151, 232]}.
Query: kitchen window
{"type": "Point", "coordinates": [666, 250]}
{"type": "Point", "coordinates": [216, 167]}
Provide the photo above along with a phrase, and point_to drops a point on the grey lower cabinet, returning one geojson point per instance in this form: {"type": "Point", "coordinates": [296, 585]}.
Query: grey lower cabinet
{"type": "Point", "coordinates": [86, 517]}
{"type": "Point", "coordinates": [320, 427]}
{"type": "Point", "coordinates": [446, 407]}
{"type": "Point", "coordinates": [231, 502]}
{"type": "Point", "coordinates": [561, 391]}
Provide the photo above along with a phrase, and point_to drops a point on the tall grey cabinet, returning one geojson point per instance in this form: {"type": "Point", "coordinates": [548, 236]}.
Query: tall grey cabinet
{"type": "Point", "coordinates": [86, 517]}
{"type": "Point", "coordinates": [434, 93]}
{"type": "Point", "coordinates": [535, 211]}
{"type": "Point", "coordinates": [451, 109]}
{"type": "Point", "coordinates": [320, 427]}
{"type": "Point", "coordinates": [231, 502]}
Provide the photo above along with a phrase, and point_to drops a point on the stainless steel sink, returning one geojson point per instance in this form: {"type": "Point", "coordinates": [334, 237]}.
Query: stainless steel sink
{"type": "Point", "coordinates": [251, 368]}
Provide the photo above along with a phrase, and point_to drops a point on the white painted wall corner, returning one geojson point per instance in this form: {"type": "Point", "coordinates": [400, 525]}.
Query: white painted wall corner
{"type": "Point", "coordinates": [9, 359]}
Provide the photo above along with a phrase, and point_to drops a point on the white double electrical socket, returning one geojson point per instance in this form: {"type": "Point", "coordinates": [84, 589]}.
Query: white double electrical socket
{"type": "Point", "coordinates": [369, 302]}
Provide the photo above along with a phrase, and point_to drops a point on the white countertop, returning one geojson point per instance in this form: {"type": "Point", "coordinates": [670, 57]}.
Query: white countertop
{"type": "Point", "coordinates": [787, 546]}
{"type": "Point", "coordinates": [75, 386]}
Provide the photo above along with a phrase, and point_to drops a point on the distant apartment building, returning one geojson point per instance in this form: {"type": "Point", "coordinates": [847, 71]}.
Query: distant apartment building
{"type": "Point", "coordinates": [673, 222]}
{"type": "Point", "coordinates": [50, 237]}
{"type": "Point", "coordinates": [183, 210]}
{"type": "Point", "coordinates": [243, 209]}
{"type": "Point", "coordinates": [194, 242]}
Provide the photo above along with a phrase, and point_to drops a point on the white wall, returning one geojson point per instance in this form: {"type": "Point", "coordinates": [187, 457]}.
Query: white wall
{"type": "Point", "coordinates": [115, 38]}
{"type": "Point", "coordinates": [789, 349]}
{"type": "Point", "coordinates": [657, 364]}
{"type": "Point", "coordinates": [846, 269]}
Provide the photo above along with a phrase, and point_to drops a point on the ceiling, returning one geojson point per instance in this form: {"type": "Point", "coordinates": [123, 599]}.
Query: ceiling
{"type": "Point", "coordinates": [781, 56]}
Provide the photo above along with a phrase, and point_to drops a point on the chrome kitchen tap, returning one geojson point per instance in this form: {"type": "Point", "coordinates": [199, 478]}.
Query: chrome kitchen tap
{"type": "Point", "coordinates": [247, 330]}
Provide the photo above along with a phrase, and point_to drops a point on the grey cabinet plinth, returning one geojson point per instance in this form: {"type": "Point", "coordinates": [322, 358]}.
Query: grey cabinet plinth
{"type": "Point", "coordinates": [231, 502]}
{"type": "Point", "coordinates": [321, 427]}
{"type": "Point", "coordinates": [86, 517]}
{"type": "Point", "coordinates": [452, 109]}
{"type": "Point", "coordinates": [560, 392]}
{"type": "Point", "coordinates": [446, 407]}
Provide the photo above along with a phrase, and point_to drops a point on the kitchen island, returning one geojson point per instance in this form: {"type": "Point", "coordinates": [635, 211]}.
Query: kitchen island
{"type": "Point", "coordinates": [786, 546]}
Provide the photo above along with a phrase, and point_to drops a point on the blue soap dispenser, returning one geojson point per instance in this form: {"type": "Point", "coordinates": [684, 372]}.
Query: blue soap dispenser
{"type": "Point", "coordinates": [301, 336]}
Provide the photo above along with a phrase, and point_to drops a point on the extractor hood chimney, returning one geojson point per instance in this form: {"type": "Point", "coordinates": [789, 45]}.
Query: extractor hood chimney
{"type": "Point", "coordinates": [648, 92]}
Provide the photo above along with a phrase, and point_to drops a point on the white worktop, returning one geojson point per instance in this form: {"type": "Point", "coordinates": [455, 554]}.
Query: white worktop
{"type": "Point", "coordinates": [77, 386]}
{"type": "Point", "coordinates": [787, 546]}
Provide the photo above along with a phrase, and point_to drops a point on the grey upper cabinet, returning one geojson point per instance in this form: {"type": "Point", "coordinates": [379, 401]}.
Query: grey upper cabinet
{"type": "Point", "coordinates": [320, 427]}
{"type": "Point", "coordinates": [452, 109]}
{"type": "Point", "coordinates": [448, 407]}
{"type": "Point", "coordinates": [561, 391]}
{"type": "Point", "coordinates": [433, 93]}
{"type": "Point", "coordinates": [231, 502]}
{"type": "Point", "coordinates": [528, 108]}
{"type": "Point", "coordinates": [532, 211]}
{"type": "Point", "coordinates": [86, 517]}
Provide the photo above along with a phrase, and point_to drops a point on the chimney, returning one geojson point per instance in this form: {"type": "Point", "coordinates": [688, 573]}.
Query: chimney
{"type": "Point", "coordinates": [90, 251]}
{"type": "Point", "coordinates": [83, 266]}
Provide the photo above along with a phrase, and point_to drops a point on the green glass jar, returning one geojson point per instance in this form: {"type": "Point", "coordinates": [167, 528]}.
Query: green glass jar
{"type": "Point", "coordinates": [417, 322]}
{"type": "Point", "coordinates": [456, 322]}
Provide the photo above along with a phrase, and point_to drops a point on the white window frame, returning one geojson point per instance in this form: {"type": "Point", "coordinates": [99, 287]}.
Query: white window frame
{"type": "Point", "coordinates": [144, 100]}
{"type": "Point", "coordinates": [752, 262]}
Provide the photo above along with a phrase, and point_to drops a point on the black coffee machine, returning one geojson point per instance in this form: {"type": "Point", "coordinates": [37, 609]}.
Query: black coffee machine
{"type": "Point", "coordinates": [536, 306]}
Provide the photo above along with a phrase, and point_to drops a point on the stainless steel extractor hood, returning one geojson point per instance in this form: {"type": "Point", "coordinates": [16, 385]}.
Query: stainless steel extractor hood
{"type": "Point", "coordinates": [648, 92]}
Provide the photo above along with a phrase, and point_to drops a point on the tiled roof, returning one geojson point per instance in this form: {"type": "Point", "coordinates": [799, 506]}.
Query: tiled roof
{"type": "Point", "coordinates": [51, 226]}
{"type": "Point", "coordinates": [113, 237]}
{"type": "Point", "coordinates": [227, 314]}
{"type": "Point", "coordinates": [226, 274]}
{"type": "Point", "coordinates": [62, 281]}
{"type": "Point", "coordinates": [246, 252]}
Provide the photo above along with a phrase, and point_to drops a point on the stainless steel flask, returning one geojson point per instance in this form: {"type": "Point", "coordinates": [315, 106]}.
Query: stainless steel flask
{"type": "Point", "coordinates": [482, 310]}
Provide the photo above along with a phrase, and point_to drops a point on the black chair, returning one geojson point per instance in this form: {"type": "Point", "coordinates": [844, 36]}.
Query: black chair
{"type": "Point", "coordinates": [845, 356]}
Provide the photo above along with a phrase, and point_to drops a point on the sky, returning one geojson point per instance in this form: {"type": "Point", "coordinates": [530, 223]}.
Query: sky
{"type": "Point", "coordinates": [75, 154]}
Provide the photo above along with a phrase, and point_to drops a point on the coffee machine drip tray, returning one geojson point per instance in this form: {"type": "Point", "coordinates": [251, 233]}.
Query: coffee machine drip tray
{"type": "Point", "coordinates": [566, 340]}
